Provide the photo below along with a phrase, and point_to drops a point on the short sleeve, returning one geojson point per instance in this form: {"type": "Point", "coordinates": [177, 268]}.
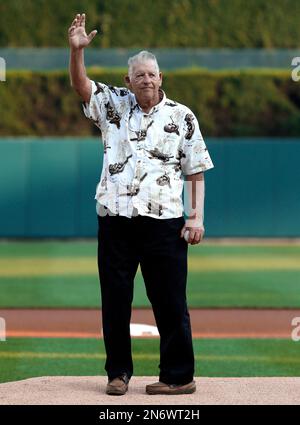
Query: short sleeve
{"type": "Point", "coordinates": [195, 157]}
{"type": "Point", "coordinates": [95, 109]}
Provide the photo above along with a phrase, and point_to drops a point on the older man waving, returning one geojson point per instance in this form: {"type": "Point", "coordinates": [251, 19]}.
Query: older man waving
{"type": "Point", "coordinates": [151, 145]}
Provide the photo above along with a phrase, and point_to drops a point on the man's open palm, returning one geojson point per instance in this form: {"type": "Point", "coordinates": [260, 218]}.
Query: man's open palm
{"type": "Point", "coordinates": [78, 38]}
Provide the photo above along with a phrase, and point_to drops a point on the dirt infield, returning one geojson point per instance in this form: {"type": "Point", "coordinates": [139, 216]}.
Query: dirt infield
{"type": "Point", "coordinates": [72, 390]}
{"type": "Point", "coordinates": [207, 323]}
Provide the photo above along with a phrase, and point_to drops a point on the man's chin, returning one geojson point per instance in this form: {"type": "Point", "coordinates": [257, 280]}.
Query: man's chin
{"type": "Point", "coordinates": [146, 95]}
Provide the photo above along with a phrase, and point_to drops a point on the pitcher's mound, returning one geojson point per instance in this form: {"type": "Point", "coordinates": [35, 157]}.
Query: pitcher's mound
{"type": "Point", "coordinates": [91, 390]}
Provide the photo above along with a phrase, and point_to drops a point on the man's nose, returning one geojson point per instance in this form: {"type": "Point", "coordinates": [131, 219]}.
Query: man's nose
{"type": "Point", "coordinates": [147, 79]}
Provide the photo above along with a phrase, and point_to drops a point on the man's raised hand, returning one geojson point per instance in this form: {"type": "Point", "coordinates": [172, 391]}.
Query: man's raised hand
{"type": "Point", "coordinates": [78, 38]}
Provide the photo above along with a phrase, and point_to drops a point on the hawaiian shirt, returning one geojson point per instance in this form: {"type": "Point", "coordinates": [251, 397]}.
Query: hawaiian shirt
{"type": "Point", "coordinates": [146, 155]}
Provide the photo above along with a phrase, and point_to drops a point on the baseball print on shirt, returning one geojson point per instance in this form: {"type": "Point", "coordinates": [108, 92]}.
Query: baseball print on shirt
{"type": "Point", "coordinates": [145, 155]}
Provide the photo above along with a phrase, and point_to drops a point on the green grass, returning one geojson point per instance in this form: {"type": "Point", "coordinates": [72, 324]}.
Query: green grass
{"type": "Point", "coordinates": [22, 358]}
{"type": "Point", "coordinates": [48, 249]}
{"type": "Point", "coordinates": [219, 276]}
{"type": "Point", "coordinates": [239, 289]}
{"type": "Point", "coordinates": [77, 248]}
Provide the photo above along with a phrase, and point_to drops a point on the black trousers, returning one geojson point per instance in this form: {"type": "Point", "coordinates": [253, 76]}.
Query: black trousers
{"type": "Point", "coordinates": [123, 244]}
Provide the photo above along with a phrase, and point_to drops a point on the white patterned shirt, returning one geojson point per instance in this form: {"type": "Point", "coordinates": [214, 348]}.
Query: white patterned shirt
{"type": "Point", "coordinates": [145, 155]}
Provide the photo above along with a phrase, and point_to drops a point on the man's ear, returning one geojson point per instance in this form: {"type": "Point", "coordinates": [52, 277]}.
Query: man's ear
{"type": "Point", "coordinates": [160, 77]}
{"type": "Point", "coordinates": [127, 81]}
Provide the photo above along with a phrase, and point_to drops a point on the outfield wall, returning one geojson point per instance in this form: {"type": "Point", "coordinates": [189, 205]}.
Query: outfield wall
{"type": "Point", "coordinates": [53, 59]}
{"type": "Point", "coordinates": [47, 187]}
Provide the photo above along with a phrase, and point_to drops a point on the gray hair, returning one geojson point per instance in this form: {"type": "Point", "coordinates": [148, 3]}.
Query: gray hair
{"type": "Point", "coordinates": [141, 57]}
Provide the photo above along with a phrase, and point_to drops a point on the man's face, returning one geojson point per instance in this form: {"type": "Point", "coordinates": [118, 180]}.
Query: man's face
{"type": "Point", "coordinates": [145, 80]}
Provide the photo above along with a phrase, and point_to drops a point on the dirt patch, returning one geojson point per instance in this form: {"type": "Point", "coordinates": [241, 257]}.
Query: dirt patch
{"type": "Point", "coordinates": [90, 390]}
{"type": "Point", "coordinates": [207, 323]}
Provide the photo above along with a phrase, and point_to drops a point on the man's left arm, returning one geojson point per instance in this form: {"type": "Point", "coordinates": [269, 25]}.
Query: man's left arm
{"type": "Point", "coordinates": [194, 207]}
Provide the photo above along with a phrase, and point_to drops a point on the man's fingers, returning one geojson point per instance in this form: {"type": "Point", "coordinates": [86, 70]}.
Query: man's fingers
{"type": "Point", "coordinates": [192, 235]}
{"type": "Point", "coordinates": [74, 21]}
{"type": "Point", "coordinates": [71, 29]}
{"type": "Point", "coordinates": [92, 35]}
{"type": "Point", "coordinates": [77, 20]}
{"type": "Point", "coordinates": [182, 232]}
{"type": "Point", "coordinates": [195, 234]}
{"type": "Point", "coordinates": [198, 237]}
{"type": "Point", "coordinates": [82, 20]}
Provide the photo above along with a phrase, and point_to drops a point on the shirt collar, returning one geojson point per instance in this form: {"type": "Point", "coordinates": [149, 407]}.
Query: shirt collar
{"type": "Point", "coordinates": [155, 108]}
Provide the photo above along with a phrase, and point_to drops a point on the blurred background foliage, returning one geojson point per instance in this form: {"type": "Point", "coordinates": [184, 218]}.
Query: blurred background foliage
{"type": "Point", "coordinates": [241, 102]}
{"type": "Point", "coordinates": [154, 23]}
{"type": "Point", "coordinates": [228, 103]}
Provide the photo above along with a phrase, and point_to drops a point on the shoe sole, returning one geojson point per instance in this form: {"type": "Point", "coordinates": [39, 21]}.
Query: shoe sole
{"type": "Point", "coordinates": [171, 392]}
{"type": "Point", "coordinates": [114, 391]}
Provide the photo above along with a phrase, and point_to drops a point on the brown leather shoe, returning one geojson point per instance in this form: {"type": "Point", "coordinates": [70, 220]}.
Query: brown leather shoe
{"type": "Point", "coordinates": [117, 386]}
{"type": "Point", "coordinates": [170, 389]}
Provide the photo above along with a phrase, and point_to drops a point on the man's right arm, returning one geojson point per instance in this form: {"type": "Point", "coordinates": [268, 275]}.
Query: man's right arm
{"type": "Point", "coordinates": [79, 80]}
{"type": "Point", "coordinates": [78, 40]}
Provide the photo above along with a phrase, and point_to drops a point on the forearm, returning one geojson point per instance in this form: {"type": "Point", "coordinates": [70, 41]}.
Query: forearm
{"type": "Point", "coordinates": [194, 198]}
{"type": "Point", "coordinates": [78, 78]}
{"type": "Point", "coordinates": [77, 67]}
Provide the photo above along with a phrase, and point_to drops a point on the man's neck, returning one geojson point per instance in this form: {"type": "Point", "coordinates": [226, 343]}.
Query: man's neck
{"type": "Point", "coordinates": [147, 104]}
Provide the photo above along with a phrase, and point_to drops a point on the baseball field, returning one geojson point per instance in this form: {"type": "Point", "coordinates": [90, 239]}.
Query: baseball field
{"type": "Point", "coordinates": [59, 279]}
{"type": "Point", "coordinates": [64, 275]}
{"type": "Point", "coordinates": [243, 292]}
